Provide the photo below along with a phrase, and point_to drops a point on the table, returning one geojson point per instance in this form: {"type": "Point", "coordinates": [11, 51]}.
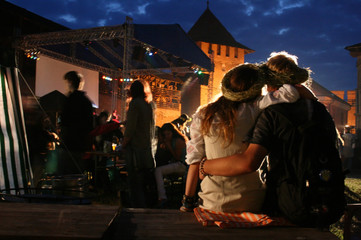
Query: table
{"type": "Point", "coordinates": [115, 156]}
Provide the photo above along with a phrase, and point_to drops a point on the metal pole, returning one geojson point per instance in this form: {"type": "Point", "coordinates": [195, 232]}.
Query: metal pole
{"type": "Point", "coordinates": [126, 62]}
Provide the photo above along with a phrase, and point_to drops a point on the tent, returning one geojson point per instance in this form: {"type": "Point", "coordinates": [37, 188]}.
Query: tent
{"type": "Point", "coordinates": [15, 169]}
{"type": "Point", "coordinates": [16, 177]}
{"type": "Point", "coordinates": [53, 101]}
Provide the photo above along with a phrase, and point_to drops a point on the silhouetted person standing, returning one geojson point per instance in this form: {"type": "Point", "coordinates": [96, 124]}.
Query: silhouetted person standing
{"type": "Point", "coordinates": [76, 123]}
{"type": "Point", "coordinates": [138, 136]}
{"type": "Point", "coordinates": [348, 150]}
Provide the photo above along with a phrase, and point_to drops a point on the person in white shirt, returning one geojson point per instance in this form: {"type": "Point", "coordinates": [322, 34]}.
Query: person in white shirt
{"type": "Point", "coordinates": [218, 130]}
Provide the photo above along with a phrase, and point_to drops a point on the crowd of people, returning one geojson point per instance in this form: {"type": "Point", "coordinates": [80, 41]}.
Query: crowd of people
{"type": "Point", "coordinates": [222, 154]}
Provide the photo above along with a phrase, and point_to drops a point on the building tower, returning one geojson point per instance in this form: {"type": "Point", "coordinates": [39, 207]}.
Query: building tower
{"type": "Point", "coordinates": [224, 51]}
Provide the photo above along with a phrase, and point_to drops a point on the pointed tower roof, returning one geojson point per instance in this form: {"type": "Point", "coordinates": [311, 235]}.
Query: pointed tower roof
{"type": "Point", "coordinates": [209, 29]}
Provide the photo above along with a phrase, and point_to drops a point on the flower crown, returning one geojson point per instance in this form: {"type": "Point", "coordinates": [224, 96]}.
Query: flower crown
{"type": "Point", "coordinates": [265, 76]}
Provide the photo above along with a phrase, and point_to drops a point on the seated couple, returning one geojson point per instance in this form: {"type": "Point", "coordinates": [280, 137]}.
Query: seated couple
{"type": "Point", "coordinates": [219, 129]}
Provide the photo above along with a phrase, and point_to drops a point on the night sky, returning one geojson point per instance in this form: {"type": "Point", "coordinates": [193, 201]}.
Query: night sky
{"type": "Point", "coordinates": [317, 31]}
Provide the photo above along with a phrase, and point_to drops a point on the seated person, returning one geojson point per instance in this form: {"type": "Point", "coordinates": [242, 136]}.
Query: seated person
{"type": "Point", "coordinates": [297, 137]}
{"type": "Point", "coordinates": [218, 130]}
{"type": "Point", "coordinates": [162, 154]}
{"type": "Point", "coordinates": [175, 143]}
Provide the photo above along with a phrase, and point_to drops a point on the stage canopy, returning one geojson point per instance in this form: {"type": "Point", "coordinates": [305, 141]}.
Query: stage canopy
{"type": "Point", "coordinates": [124, 50]}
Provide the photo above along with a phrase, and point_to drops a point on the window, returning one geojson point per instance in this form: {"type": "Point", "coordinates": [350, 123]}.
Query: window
{"type": "Point", "coordinates": [210, 48]}
{"type": "Point", "coordinates": [227, 51]}
{"type": "Point", "coordinates": [235, 52]}
{"type": "Point", "coordinates": [218, 49]}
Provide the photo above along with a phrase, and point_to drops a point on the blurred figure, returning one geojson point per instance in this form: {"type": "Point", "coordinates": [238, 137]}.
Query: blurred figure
{"type": "Point", "coordinates": [348, 150]}
{"type": "Point", "coordinates": [115, 115]}
{"type": "Point", "coordinates": [76, 123]}
{"type": "Point", "coordinates": [137, 143]}
{"type": "Point", "coordinates": [162, 155]}
{"type": "Point", "coordinates": [41, 137]}
{"type": "Point", "coordinates": [175, 143]}
{"type": "Point", "coordinates": [181, 123]}
{"type": "Point", "coordinates": [101, 120]}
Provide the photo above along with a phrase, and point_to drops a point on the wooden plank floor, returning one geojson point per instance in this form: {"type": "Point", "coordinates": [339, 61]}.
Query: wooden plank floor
{"type": "Point", "coordinates": [173, 224]}
{"type": "Point", "coordinates": [54, 221]}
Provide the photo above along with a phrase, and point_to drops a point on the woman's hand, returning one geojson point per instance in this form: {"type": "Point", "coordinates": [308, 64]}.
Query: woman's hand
{"type": "Point", "coordinates": [202, 174]}
{"type": "Point", "coordinates": [168, 145]}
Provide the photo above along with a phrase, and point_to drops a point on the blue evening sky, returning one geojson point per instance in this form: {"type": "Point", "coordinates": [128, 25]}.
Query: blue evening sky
{"type": "Point", "coordinates": [317, 31]}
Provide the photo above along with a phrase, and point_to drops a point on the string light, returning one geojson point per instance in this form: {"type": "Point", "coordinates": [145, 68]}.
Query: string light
{"type": "Point", "coordinates": [126, 79]}
{"type": "Point", "coordinates": [196, 70]}
{"type": "Point", "coordinates": [107, 78]}
{"type": "Point", "coordinates": [115, 79]}
{"type": "Point", "coordinates": [32, 54]}
{"type": "Point", "coordinates": [150, 51]}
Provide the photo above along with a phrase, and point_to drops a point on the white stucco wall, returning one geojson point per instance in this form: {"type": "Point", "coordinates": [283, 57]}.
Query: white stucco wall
{"type": "Point", "coordinates": [50, 73]}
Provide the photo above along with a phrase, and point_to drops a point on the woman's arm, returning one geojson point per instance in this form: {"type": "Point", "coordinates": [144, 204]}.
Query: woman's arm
{"type": "Point", "coordinates": [192, 180]}
{"type": "Point", "coordinates": [178, 149]}
{"type": "Point", "coordinates": [305, 92]}
{"type": "Point", "coordinates": [285, 94]}
{"type": "Point", "coordinates": [237, 164]}
{"type": "Point", "coordinates": [195, 146]}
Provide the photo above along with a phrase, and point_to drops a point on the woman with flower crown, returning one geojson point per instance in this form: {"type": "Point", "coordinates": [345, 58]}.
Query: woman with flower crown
{"type": "Point", "coordinates": [218, 130]}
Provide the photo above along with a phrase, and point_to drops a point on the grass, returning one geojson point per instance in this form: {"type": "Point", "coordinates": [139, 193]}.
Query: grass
{"type": "Point", "coordinates": [353, 195]}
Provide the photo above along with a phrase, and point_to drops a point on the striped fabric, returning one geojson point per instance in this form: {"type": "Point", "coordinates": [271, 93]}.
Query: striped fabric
{"type": "Point", "coordinates": [14, 157]}
{"type": "Point", "coordinates": [237, 220]}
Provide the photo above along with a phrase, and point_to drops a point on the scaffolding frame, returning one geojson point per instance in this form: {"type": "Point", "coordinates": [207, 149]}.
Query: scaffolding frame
{"type": "Point", "coordinates": [123, 35]}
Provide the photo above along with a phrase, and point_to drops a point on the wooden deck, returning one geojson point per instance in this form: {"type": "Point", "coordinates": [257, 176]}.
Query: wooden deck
{"type": "Point", "coordinates": [173, 224]}
{"type": "Point", "coordinates": [54, 221]}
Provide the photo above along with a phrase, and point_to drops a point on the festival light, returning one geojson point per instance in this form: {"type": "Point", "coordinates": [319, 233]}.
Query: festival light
{"type": "Point", "coordinates": [126, 79]}
{"type": "Point", "coordinates": [32, 54]}
{"type": "Point", "coordinates": [115, 79]}
{"type": "Point", "coordinates": [196, 70]}
{"type": "Point", "coordinates": [107, 78]}
{"type": "Point", "coordinates": [150, 51]}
